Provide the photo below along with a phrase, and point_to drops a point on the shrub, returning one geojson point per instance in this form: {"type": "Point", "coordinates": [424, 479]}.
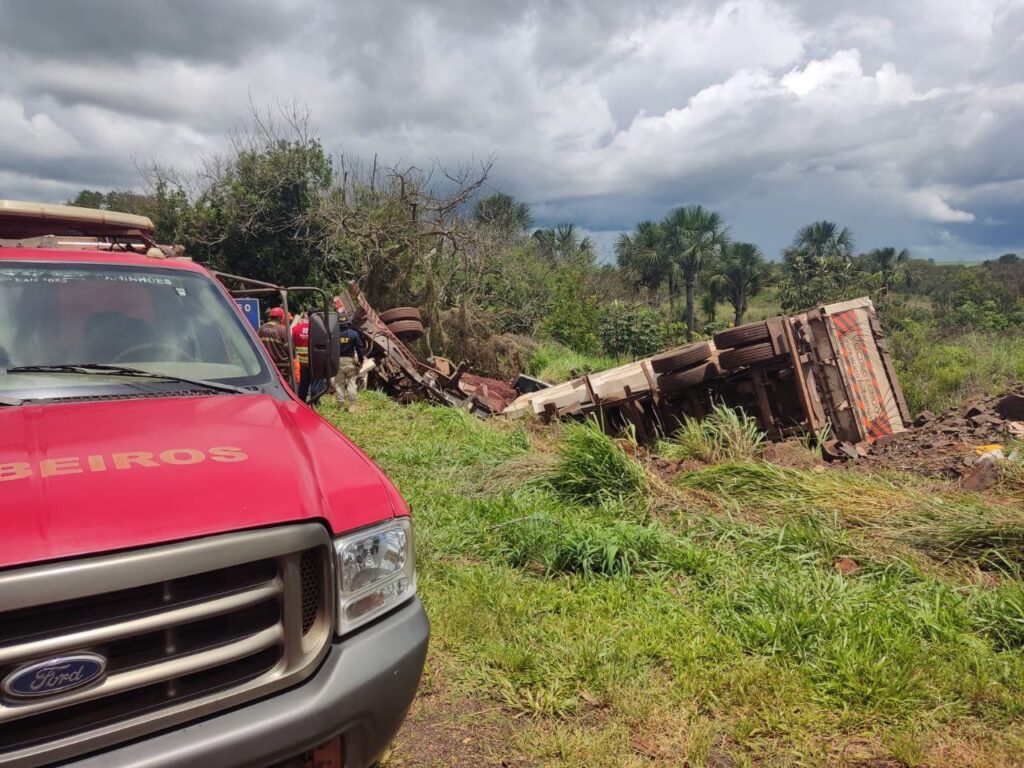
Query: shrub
{"type": "Point", "coordinates": [537, 527]}
{"type": "Point", "coordinates": [631, 331]}
{"type": "Point", "coordinates": [574, 314]}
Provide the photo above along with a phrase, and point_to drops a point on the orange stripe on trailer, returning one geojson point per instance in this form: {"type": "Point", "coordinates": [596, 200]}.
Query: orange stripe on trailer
{"type": "Point", "coordinates": [846, 326]}
{"type": "Point", "coordinates": [846, 321]}
{"type": "Point", "coordinates": [882, 426]}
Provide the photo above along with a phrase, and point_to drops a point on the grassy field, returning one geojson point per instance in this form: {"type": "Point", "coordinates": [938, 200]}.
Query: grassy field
{"type": "Point", "coordinates": [939, 373]}
{"type": "Point", "coordinates": [588, 612]}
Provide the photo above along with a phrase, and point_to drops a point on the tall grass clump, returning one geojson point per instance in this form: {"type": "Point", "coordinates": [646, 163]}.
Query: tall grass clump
{"type": "Point", "coordinates": [616, 549]}
{"type": "Point", "coordinates": [943, 524]}
{"type": "Point", "coordinates": [725, 435]}
{"type": "Point", "coordinates": [592, 467]}
{"type": "Point", "coordinates": [999, 613]}
{"type": "Point", "coordinates": [993, 541]}
{"type": "Point", "coordinates": [537, 528]}
{"type": "Point", "coordinates": [1011, 471]}
{"type": "Point", "coordinates": [555, 363]}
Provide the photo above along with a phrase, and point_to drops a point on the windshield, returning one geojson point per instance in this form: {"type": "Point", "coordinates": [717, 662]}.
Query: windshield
{"type": "Point", "coordinates": [162, 321]}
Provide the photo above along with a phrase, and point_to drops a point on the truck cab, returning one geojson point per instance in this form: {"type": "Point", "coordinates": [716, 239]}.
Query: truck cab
{"type": "Point", "coordinates": [195, 567]}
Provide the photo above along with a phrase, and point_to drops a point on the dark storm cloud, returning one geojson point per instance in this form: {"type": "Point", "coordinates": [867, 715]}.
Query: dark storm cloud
{"type": "Point", "coordinates": [119, 31]}
{"type": "Point", "coordinates": [897, 119]}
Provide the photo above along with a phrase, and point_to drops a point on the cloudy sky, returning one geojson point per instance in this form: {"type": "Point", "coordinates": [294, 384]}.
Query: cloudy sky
{"type": "Point", "coordinates": [903, 120]}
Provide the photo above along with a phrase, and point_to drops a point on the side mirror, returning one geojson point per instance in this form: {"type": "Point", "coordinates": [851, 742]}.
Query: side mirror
{"type": "Point", "coordinates": [324, 345]}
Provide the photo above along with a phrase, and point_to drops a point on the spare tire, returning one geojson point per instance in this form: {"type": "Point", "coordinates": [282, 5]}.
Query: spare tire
{"type": "Point", "coordinates": [406, 329]}
{"type": "Point", "coordinates": [742, 335]}
{"type": "Point", "coordinates": [681, 358]}
{"type": "Point", "coordinates": [674, 382]}
{"type": "Point", "coordinates": [389, 316]}
{"type": "Point", "coordinates": [752, 355]}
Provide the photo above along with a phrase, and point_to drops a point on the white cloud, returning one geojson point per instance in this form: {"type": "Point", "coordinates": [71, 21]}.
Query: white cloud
{"type": "Point", "coordinates": [896, 119]}
{"type": "Point", "coordinates": [31, 135]}
{"type": "Point", "coordinates": [930, 203]}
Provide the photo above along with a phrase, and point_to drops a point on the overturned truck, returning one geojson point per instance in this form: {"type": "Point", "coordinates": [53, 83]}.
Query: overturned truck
{"type": "Point", "coordinates": [825, 372]}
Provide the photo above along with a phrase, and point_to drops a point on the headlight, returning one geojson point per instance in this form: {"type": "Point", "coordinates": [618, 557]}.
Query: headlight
{"type": "Point", "coordinates": [376, 572]}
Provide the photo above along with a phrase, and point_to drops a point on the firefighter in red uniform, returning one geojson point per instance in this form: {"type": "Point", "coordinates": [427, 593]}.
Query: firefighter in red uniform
{"type": "Point", "coordinates": [274, 336]}
{"type": "Point", "coordinates": [300, 340]}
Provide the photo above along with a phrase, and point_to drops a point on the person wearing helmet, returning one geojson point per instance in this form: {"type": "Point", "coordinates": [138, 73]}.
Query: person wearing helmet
{"type": "Point", "coordinates": [274, 336]}
{"type": "Point", "coordinates": [352, 353]}
{"type": "Point", "coordinates": [300, 341]}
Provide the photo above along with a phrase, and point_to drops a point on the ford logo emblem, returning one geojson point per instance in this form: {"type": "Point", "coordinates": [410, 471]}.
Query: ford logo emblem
{"type": "Point", "coordinates": [53, 676]}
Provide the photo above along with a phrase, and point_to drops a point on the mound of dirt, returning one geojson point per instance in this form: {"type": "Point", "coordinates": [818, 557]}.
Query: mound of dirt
{"type": "Point", "coordinates": [945, 445]}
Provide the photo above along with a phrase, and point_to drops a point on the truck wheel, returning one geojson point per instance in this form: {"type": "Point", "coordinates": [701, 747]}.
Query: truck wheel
{"type": "Point", "coordinates": [390, 316]}
{"type": "Point", "coordinates": [675, 382]}
{"type": "Point", "coordinates": [406, 330]}
{"type": "Point", "coordinates": [756, 353]}
{"type": "Point", "coordinates": [742, 335]}
{"type": "Point", "coordinates": [682, 357]}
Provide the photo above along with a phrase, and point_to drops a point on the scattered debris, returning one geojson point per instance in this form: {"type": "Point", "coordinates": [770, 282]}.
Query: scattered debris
{"type": "Point", "coordinates": [401, 373]}
{"type": "Point", "coordinates": [1011, 407]}
{"type": "Point", "coordinates": [923, 418]}
{"type": "Point", "coordinates": [956, 443]}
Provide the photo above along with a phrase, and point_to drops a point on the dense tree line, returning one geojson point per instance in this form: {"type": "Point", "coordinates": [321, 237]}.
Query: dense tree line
{"type": "Point", "coordinates": [276, 206]}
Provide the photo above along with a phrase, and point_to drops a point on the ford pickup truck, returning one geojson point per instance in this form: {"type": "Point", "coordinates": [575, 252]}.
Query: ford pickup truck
{"type": "Point", "coordinates": [196, 569]}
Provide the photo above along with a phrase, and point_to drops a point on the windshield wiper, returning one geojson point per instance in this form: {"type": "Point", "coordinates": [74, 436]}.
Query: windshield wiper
{"type": "Point", "coordinates": [121, 370]}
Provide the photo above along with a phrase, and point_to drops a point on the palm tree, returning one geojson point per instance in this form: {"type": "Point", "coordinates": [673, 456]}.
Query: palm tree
{"type": "Point", "coordinates": [643, 253]}
{"type": "Point", "coordinates": [504, 212]}
{"type": "Point", "coordinates": [693, 236]}
{"type": "Point", "coordinates": [888, 264]}
{"type": "Point", "coordinates": [818, 266]}
{"type": "Point", "coordinates": [741, 273]}
{"type": "Point", "coordinates": [563, 243]}
{"type": "Point", "coordinates": [567, 240]}
{"type": "Point", "coordinates": [709, 301]}
{"type": "Point", "coordinates": [823, 240]}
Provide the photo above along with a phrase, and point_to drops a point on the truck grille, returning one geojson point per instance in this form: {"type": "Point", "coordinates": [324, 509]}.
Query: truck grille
{"type": "Point", "coordinates": [187, 629]}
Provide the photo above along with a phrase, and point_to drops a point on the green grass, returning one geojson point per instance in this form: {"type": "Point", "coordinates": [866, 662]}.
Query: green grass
{"type": "Point", "coordinates": [592, 468]}
{"type": "Point", "coordinates": [555, 363]}
{"type": "Point", "coordinates": [939, 374]}
{"type": "Point", "coordinates": [760, 307]}
{"type": "Point", "coordinates": [725, 435]}
{"type": "Point", "coordinates": [706, 619]}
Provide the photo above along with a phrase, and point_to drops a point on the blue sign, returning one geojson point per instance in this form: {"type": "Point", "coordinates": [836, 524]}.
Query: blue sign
{"type": "Point", "coordinates": [251, 309]}
{"type": "Point", "coordinates": [55, 675]}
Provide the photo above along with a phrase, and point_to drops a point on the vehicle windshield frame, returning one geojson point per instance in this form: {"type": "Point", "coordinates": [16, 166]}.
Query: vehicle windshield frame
{"type": "Point", "coordinates": [224, 313]}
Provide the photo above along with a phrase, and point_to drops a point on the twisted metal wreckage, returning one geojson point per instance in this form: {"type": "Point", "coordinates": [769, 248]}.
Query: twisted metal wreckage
{"type": "Point", "coordinates": [825, 372]}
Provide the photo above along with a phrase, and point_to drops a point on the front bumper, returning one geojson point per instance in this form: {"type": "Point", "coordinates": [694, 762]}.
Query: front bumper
{"type": "Point", "coordinates": [362, 691]}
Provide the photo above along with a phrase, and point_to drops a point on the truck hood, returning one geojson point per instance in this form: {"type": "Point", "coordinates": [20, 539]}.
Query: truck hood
{"type": "Point", "coordinates": [88, 477]}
